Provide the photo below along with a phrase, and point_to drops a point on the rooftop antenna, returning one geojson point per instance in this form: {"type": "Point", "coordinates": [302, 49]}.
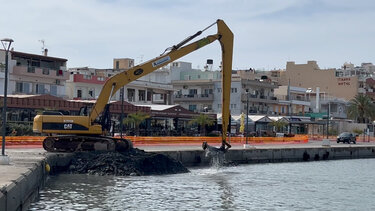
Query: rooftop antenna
{"type": "Point", "coordinates": [43, 46]}
{"type": "Point", "coordinates": [140, 59]}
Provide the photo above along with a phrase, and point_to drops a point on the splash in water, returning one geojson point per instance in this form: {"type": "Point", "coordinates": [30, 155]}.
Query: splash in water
{"type": "Point", "coordinates": [217, 155]}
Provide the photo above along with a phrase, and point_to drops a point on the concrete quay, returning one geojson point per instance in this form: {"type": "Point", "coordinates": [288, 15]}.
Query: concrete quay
{"type": "Point", "coordinates": [313, 151]}
{"type": "Point", "coordinates": [21, 181]}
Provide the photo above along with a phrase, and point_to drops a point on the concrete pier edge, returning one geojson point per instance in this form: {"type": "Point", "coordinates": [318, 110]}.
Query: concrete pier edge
{"type": "Point", "coordinates": [24, 189]}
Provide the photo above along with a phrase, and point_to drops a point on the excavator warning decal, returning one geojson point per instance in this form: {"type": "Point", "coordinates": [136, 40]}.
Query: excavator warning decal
{"type": "Point", "coordinates": [161, 61]}
{"type": "Point", "coordinates": [202, 42]}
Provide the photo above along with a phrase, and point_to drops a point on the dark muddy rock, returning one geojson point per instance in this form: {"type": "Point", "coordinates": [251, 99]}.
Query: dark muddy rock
{"type": "Point", "coordinates": [133, 162]}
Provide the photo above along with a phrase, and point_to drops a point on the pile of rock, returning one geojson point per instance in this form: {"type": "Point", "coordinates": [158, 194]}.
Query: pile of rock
{"type": "Point", "coordinates": [134, 162]}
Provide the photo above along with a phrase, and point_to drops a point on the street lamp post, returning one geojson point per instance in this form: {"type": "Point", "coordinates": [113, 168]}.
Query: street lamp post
{"type": "Point", "coordinates": [122, 92]}
{"type": "Point", "coordinates": [247, 117]}
{"type": "Point", "coordinates": [6, 44]}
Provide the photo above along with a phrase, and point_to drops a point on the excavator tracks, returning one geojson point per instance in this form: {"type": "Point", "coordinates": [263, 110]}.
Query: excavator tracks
{"type": "Point", "coordinates": [85, 143]}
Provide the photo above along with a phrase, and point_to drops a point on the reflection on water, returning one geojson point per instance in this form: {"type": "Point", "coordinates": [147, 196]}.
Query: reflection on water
{"type": "Point", "coordinates": [329, 185]}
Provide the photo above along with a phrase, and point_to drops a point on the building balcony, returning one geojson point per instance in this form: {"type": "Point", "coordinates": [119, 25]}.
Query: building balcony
{"type": "Point", "coordinates": [193, 97]}
{"type": "Point", "coordinates": [40, 72]}
{"type": "Point", "coordinates": [90, 79]}
{"type": "Point", "coordinates": [259, 98]}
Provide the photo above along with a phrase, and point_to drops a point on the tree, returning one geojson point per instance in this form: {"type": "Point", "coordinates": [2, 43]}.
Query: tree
{"type": "Point", "coordinates": [278, 125]}
{"type": "Point", "coordinates": [135, 119]}
{"type": "Point", "coordinates": [361, 109]}
{"type": "Point", "coordinates": [202, 120]}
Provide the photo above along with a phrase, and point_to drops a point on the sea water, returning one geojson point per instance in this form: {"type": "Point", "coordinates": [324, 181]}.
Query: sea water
{"type": "Point", "coordinates": [319, 185]}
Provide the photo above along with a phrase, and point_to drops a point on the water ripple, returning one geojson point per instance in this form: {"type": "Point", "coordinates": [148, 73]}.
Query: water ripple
{"type": "Point", "coordinates": [322, 185]}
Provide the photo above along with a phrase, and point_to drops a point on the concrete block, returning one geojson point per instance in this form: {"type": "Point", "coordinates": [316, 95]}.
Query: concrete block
{"type": "Point", "coordinates": [235, 155]}
{"type": "Point", "coordinates": [14, 196]}
{"type": "Point", "coordinates": [326, 143]}
{"type": "Point", "coordinates": [4, 160]}
{"type": "Point", "coordinates": [278, 155]}
{"type": "Point", "coordinates": [33, 179]}
{"type": "Point", "coordinates": [3, 200]}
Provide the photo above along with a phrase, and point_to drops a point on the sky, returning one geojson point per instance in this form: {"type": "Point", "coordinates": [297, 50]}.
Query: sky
{"type": "Point", "coordinates": [267, 33]}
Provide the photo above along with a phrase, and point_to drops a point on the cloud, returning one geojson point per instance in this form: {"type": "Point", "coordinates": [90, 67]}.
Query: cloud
{"type": "Point", "coordinates": [267, 33]}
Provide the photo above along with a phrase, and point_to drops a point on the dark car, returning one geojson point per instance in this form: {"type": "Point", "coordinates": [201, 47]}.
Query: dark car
{"type": "Point", "coordinates": [346, 137]}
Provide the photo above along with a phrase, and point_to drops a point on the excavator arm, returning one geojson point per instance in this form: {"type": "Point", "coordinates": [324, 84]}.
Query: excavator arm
{"type": "Point", "coordinates": [224, 36]}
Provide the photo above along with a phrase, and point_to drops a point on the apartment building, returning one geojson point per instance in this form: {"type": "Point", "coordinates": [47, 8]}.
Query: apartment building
{"type": "Point", "coordinates": [369, 88]}
{"type": "Point", "coordinates": [201, 91]}
{"type": "Point", "coordinates": [292, 100]}
{"type": "Point", "coordinates": [311, 76]}
{"type": "Point", "coordinates": [348, 69]}
{"type": "Point", "coordinates": [154, 88]}
{"type": "Point", "coordinates": [193, 88]}
{"type": "Point", "coordinates": [34, 74]}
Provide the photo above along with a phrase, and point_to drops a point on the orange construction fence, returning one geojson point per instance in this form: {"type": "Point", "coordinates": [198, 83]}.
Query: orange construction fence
{"type": "Point", "coordinates": [179, 140]}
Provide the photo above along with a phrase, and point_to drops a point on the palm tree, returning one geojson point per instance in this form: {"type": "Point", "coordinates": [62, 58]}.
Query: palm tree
{"type": "Point", "coordinates": [361, 108]}
{"type": "Point", "coordinates": [136, 119]}
{"type": "Point", "coordinates": [278, 125]}
{"type": "Point", "coordinates": [202, 120]}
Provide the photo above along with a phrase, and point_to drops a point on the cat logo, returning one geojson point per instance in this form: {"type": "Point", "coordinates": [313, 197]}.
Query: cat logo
{"type": "Point", "coordinates": [68, 126]}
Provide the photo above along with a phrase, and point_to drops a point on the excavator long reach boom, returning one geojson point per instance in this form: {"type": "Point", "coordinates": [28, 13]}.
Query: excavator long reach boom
{"type": "Point", "coordinates": [74, 128]}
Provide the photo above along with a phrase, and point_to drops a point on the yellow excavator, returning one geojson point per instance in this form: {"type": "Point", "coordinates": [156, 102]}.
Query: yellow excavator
{"type": "Point", "coordinates": [67, 133]}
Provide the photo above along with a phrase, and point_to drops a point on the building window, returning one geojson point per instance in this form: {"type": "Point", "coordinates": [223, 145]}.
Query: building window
{"type": "Point", "coordinates": [131, 95]}
{"type": "Point", "coordinates": [193, 91]}
{"type": "Point", "coordinates": [79, 93]}
{"type": "Point", "coordinates": [45, 71]}
{"type": "Point", "coordinates": [53, 90]}
{"type": "Point", "coordinates": [219, 106]}
{"type": "Point", "coordinates": [35, 63]}
{"type": "Point", "coordinates": [233, 106]}
{"type": "Point", "coordinates": [92, 93]}
{"type": "Point", "coordinates": [40, 89]}
{"type": "Point", "coordinates": [192, 107]}
{"type": "Point", "coordinates": [87, 77]}
{"type": "Point", "coordinates": [149, 95]}
{"type": "Point", "coordinates": [19, 87]}
{"type": "Point", "coordinates": [30, 69]}
{"type": "Point", "coordinates": [141, 95]}
{"type": "Point", "coordinates": [117, 65]}
{"type": "Point", "coordinates": [218, 90]}
{"type": "Point", "coordinates": [234, 90]}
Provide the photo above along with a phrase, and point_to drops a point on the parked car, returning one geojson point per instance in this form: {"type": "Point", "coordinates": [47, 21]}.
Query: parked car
{"type": "Point", "coordinates": [347, 137]}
